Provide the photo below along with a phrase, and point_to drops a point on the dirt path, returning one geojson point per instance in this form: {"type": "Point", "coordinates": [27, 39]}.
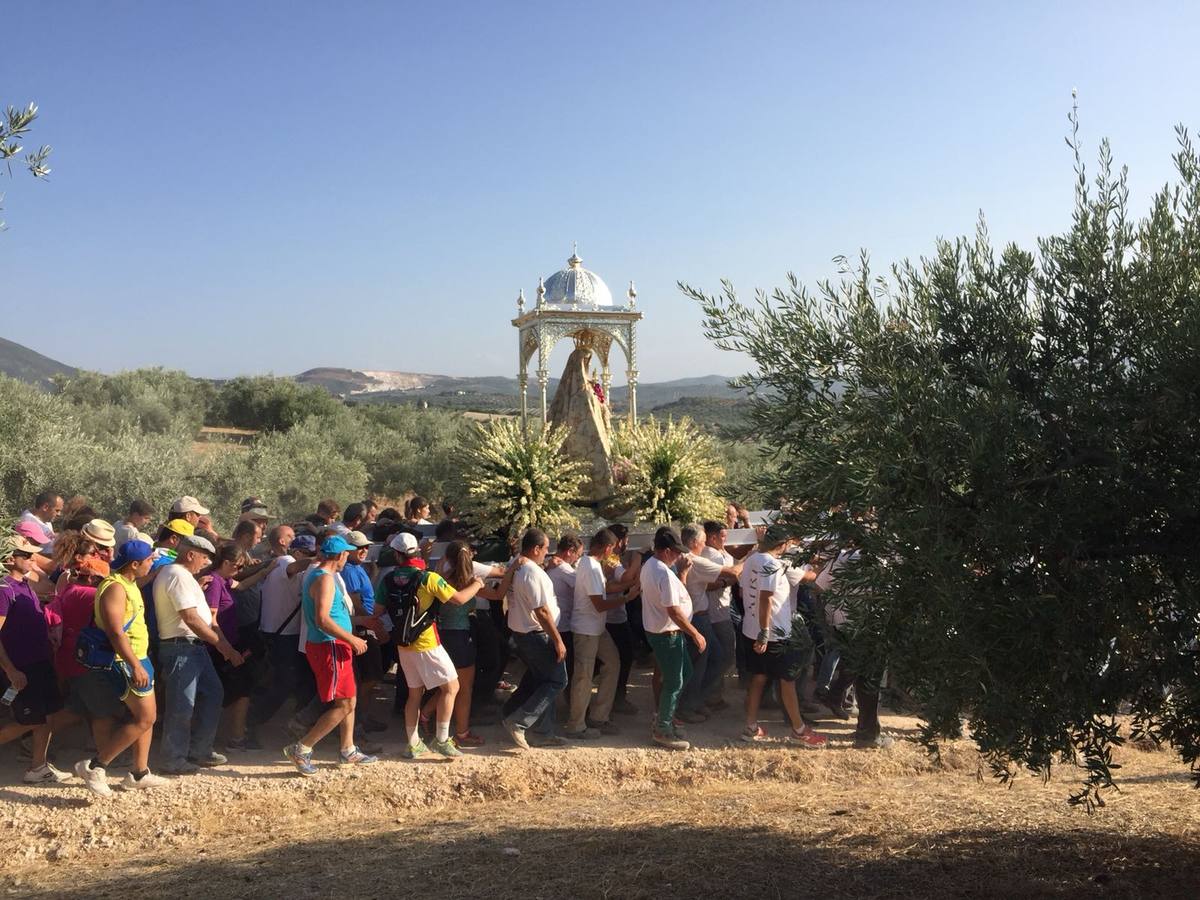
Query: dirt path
{"type": "Point", "coordinates": [617, 820]}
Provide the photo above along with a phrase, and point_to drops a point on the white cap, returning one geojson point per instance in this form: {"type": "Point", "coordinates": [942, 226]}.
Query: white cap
{"type": "Point", "coordinates": [187, 505]}
{"type": "Point", "coordinates": [403, 542]}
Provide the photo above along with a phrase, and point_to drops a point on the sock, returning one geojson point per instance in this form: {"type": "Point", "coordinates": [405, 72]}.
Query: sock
{"type": "Point", "coordinates": [443, 731]}
{"type": "Point", "coordinates": [304, 751]}
{"type": "Point", "coordinates": [413, 736]}
{"type": "Point", "coordinates": [138, 776]}
{"type": "Point", "coordinates": [94, 763]}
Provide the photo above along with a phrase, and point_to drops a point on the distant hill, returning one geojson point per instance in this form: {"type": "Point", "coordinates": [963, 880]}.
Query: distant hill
{"type": "Point", "coordinates": [711, 413]}
{"type": "Point", "coordinates": [29, 366]}
{"type": "Point", "coordinates": [493, 393]}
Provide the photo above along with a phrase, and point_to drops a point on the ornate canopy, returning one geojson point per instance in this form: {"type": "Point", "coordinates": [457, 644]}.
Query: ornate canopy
{"type": "Point", "coordinates": [576, 303]}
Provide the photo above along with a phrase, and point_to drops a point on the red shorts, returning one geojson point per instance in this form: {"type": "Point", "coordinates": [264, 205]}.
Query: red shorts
{"type": "Point", "coordinates": [333, 665]}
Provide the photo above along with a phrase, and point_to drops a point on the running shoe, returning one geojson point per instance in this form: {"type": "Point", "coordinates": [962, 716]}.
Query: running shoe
{"type": "Point", "coordinates": [45, 774]}
{"type": "Point", "coordinates": [752, 733]}
{"type": "Point", "coordinates": [468, 739]}
{"type": "Point", "coordinates": [355, 757]}
{"type": "Point", "coordinates": [147, 782]}
{"type": "Point", "coordinates": [446, 748]}
{"type": "Point", "coordinates": [302, 761]}
{"type": "Point", "coordinates": [414, 751]}
{"type": "Point", "coordinates": [808, 739]}
{"type": "Point", "coordinates": [95, 780]}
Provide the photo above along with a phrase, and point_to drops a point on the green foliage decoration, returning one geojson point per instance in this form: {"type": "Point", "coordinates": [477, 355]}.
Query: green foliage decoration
{"type": "Point", "coordinates": [514, 481]}
{"type": "Point", "coordinates": [667, 472]}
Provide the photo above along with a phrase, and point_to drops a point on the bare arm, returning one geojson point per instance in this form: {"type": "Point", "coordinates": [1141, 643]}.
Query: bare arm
{"type": "Point", "coordinates": [15, 676]}
{"type": "Point", "coordinates": [112, 621]}
{"type": "Point", "coordinates": [322, 593]}
{"type": "Point", "coordinates": [465, 595]}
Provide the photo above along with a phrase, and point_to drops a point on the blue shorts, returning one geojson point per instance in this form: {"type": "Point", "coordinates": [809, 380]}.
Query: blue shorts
{"type": "Point", "coordinates": [122, 681]}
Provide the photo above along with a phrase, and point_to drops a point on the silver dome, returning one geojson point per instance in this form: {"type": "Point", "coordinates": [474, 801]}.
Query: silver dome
{"type": "Point", "coordinates": [577, 286]}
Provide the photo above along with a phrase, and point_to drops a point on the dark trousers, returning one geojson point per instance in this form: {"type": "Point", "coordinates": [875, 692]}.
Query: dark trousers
{"type": "Point", "coordinates": [489, 657]}
{"type": "Point", "coordinates": [622, 636]}
{"type": "Point", "coordinates": [282, 680]}
{"type": "Point", "coordinates": [867, 691]}
{"type": "Point", "coordinates": [532, 703]}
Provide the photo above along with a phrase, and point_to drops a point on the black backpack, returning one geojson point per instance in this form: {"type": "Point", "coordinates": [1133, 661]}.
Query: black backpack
{"type": "Point", "coordinates": [410, 620]}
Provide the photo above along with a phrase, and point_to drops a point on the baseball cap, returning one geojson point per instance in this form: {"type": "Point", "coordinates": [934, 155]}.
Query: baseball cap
{"type": "Point", "coordinates": [305, 542]}
{"type": "Point", "coordinates": [774, 536]}
{"type": "Point", "coordinates": [188, 505]}
{"type": "Point", "coordinates": [197, 542]}
{"type": "Point", "coordinates": [100, 532]}
{"type": "Point", "coordinates": [667, 539]}
{"type": "Point", "coordinates": [181, 527]}
{"type": "Point", "coordinates": [130, 552]}
{"type": "Point", "coordinates": [335, 544]}
{"type": "Point", "coordinates": [403, 542]}
{"type": "Point", "coordinates": [250, 502]}
{"type": "Point", "coordinates": [93, 565]}
{"type": "Point", "coordinates": [30, 532]}
{"type": "Point", "coordinates": [358, 539]}
{"type": "Point", "coordinates": [18, 543]}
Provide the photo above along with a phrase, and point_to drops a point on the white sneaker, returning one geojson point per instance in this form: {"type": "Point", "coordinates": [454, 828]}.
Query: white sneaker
{"type": "Point", "coordinates": [147, 782]}
{"type": "Point", "coordinates": [46, 774]}
{"type": "Point", "coordinates": [95, 780]}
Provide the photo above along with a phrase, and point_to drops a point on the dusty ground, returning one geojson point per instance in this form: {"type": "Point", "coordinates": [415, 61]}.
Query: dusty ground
{"type": "Point", "coordinates": [618, 820]}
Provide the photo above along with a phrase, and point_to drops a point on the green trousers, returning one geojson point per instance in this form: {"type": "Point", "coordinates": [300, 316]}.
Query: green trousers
{"type": "Point", "coordinates": [670, 652]}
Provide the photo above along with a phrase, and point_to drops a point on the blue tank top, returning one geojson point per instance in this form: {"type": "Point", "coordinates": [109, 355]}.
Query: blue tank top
{"type": "Point", "coordinates": [338, 611]}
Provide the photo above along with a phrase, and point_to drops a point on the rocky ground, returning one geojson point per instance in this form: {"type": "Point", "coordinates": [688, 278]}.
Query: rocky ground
{"type": "Point", "coordinates": [614, 818]}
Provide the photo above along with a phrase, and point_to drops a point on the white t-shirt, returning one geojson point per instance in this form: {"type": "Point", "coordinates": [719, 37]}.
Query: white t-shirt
{"type": "Point", "coordinates": [835, 614]}
{"type": "Point", "coordinates": [719, 600]}
{"type": "Point", "coordinates": [531, 589]}
{"type": "Point", "coordinates": [662, 588]}
{"type": "Point", "coordinates": [589, 582]}
{"type": "Point", "coordinates": [124, 532]}
{"type": "Point", "coordinates": [280, 595]}
{"type": "Point", "coordinates": [764, 572]}
{"type": "Point", "coordinates": [482, 571]}
{"type": "Point", "coordinates": [700, 575]}
{"type": "Point", "coordinates": [562, 577]}
{"type": "Point", "coordinates": [618, 615]}
{"type": "Point", "coordinates": [176, 589]}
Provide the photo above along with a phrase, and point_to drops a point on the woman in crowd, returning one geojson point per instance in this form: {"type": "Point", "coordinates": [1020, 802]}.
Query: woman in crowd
{"type": "Point", "coordinates": [416, 511]}
{"type": "Point", "coordinates": [238, 681]}
{"type": "Point", "coordinates": [454, 625]}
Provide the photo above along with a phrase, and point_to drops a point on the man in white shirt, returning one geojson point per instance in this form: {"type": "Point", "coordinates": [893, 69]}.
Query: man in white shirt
{"type": "Point", "coordinates": [532, 610]}
{"type": "Point", "coordinates": [720, 598]}
{"type": "Point", "coordinates": [666, 616]}
{"type": "Point", "coordinates": [279, 625]}
{"type": "Point", "coordinates": [136, 521]}
{"type": "Point", "coordinates": [192, 688]}
{"type": "Point", "coordinates": [561, 569]}
{"type": "Point", "coordinates": [770, 609]}
{"type": "Point", "coordinates": [589, 626]}
{"type": "Point", "coordinates": [703, 575]}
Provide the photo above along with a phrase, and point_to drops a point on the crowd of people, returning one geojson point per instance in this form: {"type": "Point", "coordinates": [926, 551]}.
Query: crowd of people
{"type": "Point", "coordinates": [119, 627]}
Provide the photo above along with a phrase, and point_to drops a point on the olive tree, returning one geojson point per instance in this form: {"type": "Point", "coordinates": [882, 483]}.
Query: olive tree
{"type": "Point", "coordinates": [1010, 439]}
{"type": "Point", "coordinates": [14, 127]}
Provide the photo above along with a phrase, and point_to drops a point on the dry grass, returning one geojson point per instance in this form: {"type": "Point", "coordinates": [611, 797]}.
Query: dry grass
{"type": "Point", "coordinates": [626, 822]}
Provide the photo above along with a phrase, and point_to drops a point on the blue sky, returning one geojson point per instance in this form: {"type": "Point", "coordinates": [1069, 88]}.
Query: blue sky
{"type": "Point", "coordinates": [253, 187]}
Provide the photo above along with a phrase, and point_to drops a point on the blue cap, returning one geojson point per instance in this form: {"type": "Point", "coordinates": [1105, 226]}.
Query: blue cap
{"type": "Point", "coordinates": [131, 552]}
{"type": "Point", "coordinates": [336, 544]}
{"type": "Point", "coordinates": [304, 542]}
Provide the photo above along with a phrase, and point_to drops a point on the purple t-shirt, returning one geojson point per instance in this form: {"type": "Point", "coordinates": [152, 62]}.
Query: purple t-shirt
{"type": "Point", "coordinates": [220, 598]}
{"type": "Point", "coordinates": [25, 635]}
